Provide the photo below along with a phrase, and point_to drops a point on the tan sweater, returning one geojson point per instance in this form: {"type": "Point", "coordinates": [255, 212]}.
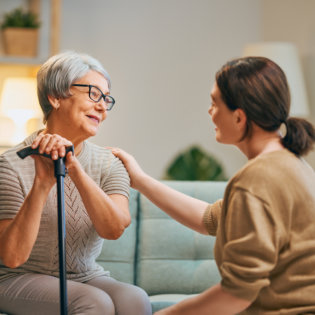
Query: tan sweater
{"type": "Point", "coordinates": [265, 229]}
{"type": "Point", "coordinates": [83, 244]}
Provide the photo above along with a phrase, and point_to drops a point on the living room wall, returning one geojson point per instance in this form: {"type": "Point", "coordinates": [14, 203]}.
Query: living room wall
{"type": "Point", "coordinates": [162, 57]}
{"type": "Point", "coordinates": [293, 21]}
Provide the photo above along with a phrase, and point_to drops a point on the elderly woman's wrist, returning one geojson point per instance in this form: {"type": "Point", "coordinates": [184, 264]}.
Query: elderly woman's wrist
{"type": "Point", "coordinates": [75, 171]}
{"type": "Point", "coordinates": [43, 184]}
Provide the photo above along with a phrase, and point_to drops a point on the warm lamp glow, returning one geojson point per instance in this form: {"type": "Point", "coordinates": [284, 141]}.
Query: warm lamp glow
{"type": "Point", "coordinates": [19, 104]}
{"type": "Point", "coordinates": [286, 56]}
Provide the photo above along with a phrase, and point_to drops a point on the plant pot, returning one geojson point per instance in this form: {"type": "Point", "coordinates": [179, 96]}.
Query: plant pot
{"type": "Point", "coordinates": [22, 42]}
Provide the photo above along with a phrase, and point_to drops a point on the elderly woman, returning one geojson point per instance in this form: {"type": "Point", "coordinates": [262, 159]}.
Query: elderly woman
{"type": "Point", "coordinates": [74, 94]}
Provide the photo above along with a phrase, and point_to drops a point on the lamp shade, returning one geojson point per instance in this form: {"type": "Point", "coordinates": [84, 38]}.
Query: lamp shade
{"type": "Point", "coordinates": [286, 56]}
{"type": "Point", "coordinates": [19, 103]}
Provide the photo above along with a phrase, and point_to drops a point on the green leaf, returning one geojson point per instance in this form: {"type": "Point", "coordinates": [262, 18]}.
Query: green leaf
{"type": "Point", "coordinates": [195, 164]}
{"type": "Point", "coordinates": [20, 18]}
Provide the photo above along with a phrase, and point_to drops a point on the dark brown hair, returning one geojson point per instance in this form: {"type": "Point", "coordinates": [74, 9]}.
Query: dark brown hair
{"type": "Point", "coordinates": [259, 87]}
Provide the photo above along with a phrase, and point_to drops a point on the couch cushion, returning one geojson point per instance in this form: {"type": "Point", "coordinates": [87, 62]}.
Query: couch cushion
{"type": "Point", "coordinates": [118, 256]}
{"type": "Point", "coordinates": [172, 258]}
{"type": "Point", "coordinates": [161, 301]}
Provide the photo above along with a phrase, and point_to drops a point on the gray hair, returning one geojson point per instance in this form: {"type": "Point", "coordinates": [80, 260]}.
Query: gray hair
{"type": "Point", "coordinates": [59, 72]}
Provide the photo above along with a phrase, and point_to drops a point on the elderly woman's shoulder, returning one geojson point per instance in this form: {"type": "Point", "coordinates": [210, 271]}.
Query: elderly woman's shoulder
{"type": "Point", "coordinates": [97, 151]}
{"type": "Point", "coordinates": [11, 156]}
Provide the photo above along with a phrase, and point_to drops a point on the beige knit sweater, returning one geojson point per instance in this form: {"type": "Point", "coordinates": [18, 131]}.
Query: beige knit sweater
{"type": "Point", "coordinates": [83, 245]}
{"type": "Point", "coordinates": [265, 228]}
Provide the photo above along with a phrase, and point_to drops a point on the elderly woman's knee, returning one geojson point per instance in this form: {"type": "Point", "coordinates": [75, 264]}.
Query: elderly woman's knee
{"type": "Point", "coordinates": [136, 300]}
{"type": "Point", "coordinates": [141, 294]}
{"type": "Point", "coordinates": [91, 301]}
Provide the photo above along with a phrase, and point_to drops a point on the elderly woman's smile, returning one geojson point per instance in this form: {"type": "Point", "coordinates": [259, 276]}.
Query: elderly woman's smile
{"type": "Point", "coordinates": [94, 118]}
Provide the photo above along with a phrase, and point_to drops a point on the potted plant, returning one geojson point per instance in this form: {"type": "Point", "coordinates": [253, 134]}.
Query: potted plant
{"type": "Point", "coordinates": [195, 164]}
{"type": "Point", "coordinates": [20, 33]}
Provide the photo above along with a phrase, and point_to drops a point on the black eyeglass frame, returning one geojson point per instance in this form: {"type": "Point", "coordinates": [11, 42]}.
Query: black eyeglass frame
{"type": "Point", "coordinates": [104, 96]}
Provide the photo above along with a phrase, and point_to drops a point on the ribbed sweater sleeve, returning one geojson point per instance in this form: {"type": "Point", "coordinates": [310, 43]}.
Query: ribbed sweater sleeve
{"type": "Point", "coordinates": [211, 217]}
{"type": "Point", "coordinates": [117, 182]}
{"type": "Point", "coordinates": [11, 196]}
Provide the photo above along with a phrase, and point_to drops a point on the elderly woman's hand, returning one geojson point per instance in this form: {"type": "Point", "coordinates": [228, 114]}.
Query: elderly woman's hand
{"type": "Point", "coordinates": [55, 146]}
{"type": "Point", "coordinates": [51, 144]}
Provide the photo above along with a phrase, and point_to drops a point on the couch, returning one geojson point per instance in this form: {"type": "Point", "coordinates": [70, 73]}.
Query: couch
{"type": "Point", "coordinates": [169, 261]}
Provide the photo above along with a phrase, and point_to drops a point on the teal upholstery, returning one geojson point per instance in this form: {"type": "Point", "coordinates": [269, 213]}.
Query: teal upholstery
{"type": "Point", "coordinates": [119, 256]}
{"type": "Point", "coordinates": [172, 256]}
{"type": "Point", "coordinates": [169, 261]}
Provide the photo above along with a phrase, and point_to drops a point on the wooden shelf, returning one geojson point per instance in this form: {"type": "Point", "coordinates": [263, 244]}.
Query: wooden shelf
{"type": "Point", "coordinates": [51, 29]}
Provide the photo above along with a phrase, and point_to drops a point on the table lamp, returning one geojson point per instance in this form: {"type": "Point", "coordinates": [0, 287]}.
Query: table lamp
{"type": "Point", "coordinates": [19, 109]}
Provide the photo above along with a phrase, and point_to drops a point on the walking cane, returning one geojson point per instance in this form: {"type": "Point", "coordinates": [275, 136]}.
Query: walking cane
{"type": "Point", "coordinates": [60, 173]}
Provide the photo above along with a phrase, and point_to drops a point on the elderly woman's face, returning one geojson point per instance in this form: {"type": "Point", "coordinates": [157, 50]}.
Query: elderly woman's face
{"type": "Point", "coordinates": [82, 115]}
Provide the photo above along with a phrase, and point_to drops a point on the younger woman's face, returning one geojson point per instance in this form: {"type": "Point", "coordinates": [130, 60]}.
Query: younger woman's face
{"type": "Point", "coordinates": [224, 119]}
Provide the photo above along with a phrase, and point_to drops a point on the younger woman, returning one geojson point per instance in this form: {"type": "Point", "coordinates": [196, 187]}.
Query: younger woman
{"type": "Point", "coordinates": [265, 224]}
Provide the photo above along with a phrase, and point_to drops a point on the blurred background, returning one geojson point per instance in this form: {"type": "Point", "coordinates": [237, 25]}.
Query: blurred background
{"type": "Point", "coordinates": [162, 56]}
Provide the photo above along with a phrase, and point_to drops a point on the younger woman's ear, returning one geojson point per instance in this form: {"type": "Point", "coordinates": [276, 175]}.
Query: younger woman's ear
{"type": "Point", "coordinates": [240, 118]}
{"type": "Point", "coordinates": [54, 102]}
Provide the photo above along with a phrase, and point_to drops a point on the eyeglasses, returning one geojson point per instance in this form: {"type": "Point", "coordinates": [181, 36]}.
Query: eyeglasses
{"type": "Point", "coordinates": [95, 94]}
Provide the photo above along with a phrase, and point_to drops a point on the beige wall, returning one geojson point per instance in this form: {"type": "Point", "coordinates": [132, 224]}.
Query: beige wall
{"type": "Point", "coordinates": [293, 21]}
{"type": "Point", "coordinates": [162, 56]}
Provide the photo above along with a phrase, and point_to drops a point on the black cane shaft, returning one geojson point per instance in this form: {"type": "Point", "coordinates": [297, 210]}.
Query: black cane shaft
{"type": "Point", "coordinates": [62, 246]}
{"type": "Point", "coordinates": [60, 173]}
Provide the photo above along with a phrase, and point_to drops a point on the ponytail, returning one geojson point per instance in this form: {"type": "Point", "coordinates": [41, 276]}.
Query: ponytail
{"type": "Point", "coordinates": [300, 136]}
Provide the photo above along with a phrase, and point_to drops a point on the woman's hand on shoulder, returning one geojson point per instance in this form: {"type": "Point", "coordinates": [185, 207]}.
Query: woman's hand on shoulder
{"type": "Point", "coordinates": [133, 168]}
